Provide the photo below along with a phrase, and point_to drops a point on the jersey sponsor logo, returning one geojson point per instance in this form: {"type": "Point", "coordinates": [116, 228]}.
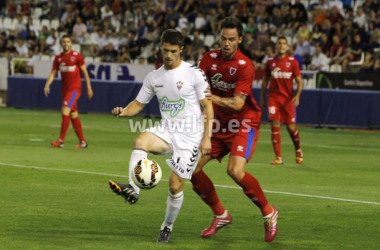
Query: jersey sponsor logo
{"type": "Point", "coordinates": [221, 84]}
{"type": "Point", "coordinates": [173, 107]}
{"type": "Point", "coordinates": [214, 55]}
{"type": "Point", "coordinates": [277, 73]}
{"type": "Point", "coordinates": [240, 148]}
{"type": "Point", "coordinates": [232, 71]}
{"type": "Point", "coordinates": [214, 67]}
{"type": "Point", "coordinates": [64, 68]}
{"type": "Point", "coordinates": [179, 85]}
{"type": "Point", "coordinates": [242, 62]}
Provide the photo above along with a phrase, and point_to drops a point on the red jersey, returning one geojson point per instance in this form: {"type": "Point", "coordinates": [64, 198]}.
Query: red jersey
{"type": "Point", "coordinates": [230, 77]}
{"type": "Point", "coordinates": [69, 65]}
{"type": "Point", "coordinates": [281, 73]}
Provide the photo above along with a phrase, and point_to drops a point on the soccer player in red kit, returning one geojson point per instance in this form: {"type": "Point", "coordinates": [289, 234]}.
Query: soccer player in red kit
{"type": "Point", "coordinates": [237, 125]}
{"type": "Point", "coordinates": [69, 63]}
{"type": "Point", "coordinates": [280, 72]}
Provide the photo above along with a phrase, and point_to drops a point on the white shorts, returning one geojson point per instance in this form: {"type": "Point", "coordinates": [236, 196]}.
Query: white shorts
{"type": "Point", "coordinates": [184, 150]}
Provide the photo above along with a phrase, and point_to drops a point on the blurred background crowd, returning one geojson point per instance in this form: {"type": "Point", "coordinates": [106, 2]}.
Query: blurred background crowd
{"type": "Point", "coordinates": [336, 36]}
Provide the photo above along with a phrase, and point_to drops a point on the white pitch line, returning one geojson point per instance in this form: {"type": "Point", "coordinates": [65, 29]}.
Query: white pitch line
{"type": "Point", "coordinates": [216, 185]}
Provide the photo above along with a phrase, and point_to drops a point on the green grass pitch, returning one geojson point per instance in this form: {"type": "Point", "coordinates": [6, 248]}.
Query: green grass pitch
{"type": "Point", "coordinates": [59, 198]}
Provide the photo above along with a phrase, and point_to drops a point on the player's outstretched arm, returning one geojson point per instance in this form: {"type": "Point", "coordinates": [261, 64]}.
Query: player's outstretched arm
{"type": "Point", "coordinates": [90, 93]}
{"type": "Point", "coordinates": [49, 81]}
{"type": "Point", "coordinates": [236, 102]}
{"type": "Point", "coordinates": [296, 98]}
{"type": "Point", "coordinates": [208, 113]}
{"type": "Point", "coordinates": [264, 86]}
{"type": "Point", "coordinates": [133, 108]}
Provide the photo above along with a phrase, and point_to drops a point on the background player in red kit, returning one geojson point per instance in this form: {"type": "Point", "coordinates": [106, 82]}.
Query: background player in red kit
{"type": "Point", "coordinates": [69, 63]}
{"type": "Point", "coordinates": [281, 70]}
{"type": "Point", "coordinates": [230, 74]}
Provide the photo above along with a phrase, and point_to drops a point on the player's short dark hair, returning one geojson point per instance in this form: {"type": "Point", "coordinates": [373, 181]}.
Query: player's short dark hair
{"type": "Point", "coordinates": [172, 36]}
{"type": "Point", "coordinates": [231, 22]}
{"type": "Point", "coordinates": [65, 36]}
{"type": "Point", "coordinates": [283, 38]}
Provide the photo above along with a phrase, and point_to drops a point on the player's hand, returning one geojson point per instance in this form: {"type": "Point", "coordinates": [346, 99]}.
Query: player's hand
{"type": "Point", "coordinates": [208, 93]}
{"type": "Point", "coordinates": [205, 146]}
{"type": "Point", "coordinates": [118, 111]}
{"type": "Point", "coordinates": [90, 93]}
{"type": "Point", "coordinates": [296, 101]}
{"type": "Point", "coordinates": [47, 91]}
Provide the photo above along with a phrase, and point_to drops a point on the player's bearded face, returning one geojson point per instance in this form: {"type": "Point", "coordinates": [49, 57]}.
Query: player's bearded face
{"type": "Point", "coordinates": [66, 44]}
{"type": "Point", "coordinates": [171, 54]}
{"type": "Point", "coordinates": [229, 41]}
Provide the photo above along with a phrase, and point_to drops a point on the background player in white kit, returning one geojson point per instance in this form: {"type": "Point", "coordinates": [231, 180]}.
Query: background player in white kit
{"type": "Point", "coordinates": [180, 89]}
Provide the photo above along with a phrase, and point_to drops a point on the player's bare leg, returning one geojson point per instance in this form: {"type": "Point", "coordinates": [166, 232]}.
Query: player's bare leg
{"type": "Point", "coordinates": [276, 142]}
{"type": "Point", "coordinates": [294, 135]}
{"type": "Point", "coordinates": [204, 187]}
{"type": "Point", "coordinates": [252, 189]}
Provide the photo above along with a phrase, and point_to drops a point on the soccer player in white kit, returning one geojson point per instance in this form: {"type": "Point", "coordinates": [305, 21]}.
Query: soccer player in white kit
{"type": "Point", "coordinates": [180, 89]}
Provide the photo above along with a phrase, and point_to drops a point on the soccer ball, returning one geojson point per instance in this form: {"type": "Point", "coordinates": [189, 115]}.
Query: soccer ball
{"type": "Point", "coordinates": [146, 174]}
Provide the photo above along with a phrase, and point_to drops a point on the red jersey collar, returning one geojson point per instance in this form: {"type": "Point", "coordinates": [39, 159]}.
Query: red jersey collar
{"type": "Point", "coordinates": [235, 57]}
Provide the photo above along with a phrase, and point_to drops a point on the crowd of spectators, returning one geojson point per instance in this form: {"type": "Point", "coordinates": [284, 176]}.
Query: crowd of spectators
{"type": "Point", "coordinates": [321, 33]}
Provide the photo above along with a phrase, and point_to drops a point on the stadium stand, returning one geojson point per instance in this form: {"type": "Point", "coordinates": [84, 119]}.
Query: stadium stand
{"type": "Point", "coordinates": [118, 19]}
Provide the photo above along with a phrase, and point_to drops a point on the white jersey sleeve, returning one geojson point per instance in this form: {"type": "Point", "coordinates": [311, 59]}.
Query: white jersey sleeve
{"type": "Point", "coordinates": [146, 92]}
{"type": "Point", "coordinates": [200, 83]}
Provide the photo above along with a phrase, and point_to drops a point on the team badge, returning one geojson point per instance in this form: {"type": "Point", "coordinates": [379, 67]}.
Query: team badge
{"type": "Point", "coordinates": [232, 71]}
{"type": "Point", "coordinates": [287, 64]}
{"type": "Point", "coordinates": [72, 58]}
{"type": "Point", "coordinates": [179, 85]}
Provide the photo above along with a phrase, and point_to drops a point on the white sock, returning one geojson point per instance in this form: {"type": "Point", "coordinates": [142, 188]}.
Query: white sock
{"type": "Point", "coordinates": [224, 215]}
{"type": "Point", "coordinates": [173, 205]}
{"type": "Point", "coordinates": [137, 154]}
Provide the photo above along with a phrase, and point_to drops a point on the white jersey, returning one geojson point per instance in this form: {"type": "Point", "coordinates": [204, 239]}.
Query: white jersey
{"type": "Point", "coordinates": [179, 91]}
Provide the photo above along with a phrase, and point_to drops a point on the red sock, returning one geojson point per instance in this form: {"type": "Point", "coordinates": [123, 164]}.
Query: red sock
{"type": "Point", "coordinates": [252, 189]}
{"type": "Point", "coordinates": [295, 138]}
{"type": "Point", "coordinates": [203, 186]}
{"type": "Point", "coordinates": [78, 128]}
{"type": "Point", "coordinates": [276, 141]}
{"type": "Point", "coordinates": [64, 127]}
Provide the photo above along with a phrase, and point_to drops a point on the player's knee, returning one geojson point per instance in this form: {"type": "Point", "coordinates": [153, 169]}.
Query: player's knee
{"type": "Point", "coordinates": [175, 188]}
{"type": "Point", "coordinates": [140, 142]}
{"type": "Point", "coordinates": [74, 114]}
{"type": "Point", "coordinates": [235, 173]}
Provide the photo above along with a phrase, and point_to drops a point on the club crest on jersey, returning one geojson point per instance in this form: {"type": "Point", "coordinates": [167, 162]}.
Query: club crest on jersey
{"type": "Point", "coordinates": [179, 85]}
{"type": "Point", "coordinates": [214, 67]}
{"type": "Point", "coordinates": [287, 64]}
{"type": "Point", "coordinates": [232, 71]}
{"type": "Point", "coordinates": [214, 55]}
{"type": "Point", "coordinates": [72, 58]}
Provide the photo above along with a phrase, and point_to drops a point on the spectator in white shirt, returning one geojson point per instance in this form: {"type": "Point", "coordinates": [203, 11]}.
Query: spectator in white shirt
{"type": "Point", "coordinates": [319, 61]}
{"type": "Point", "coordinates": [114, 39]}
{"type": "Point", "coordinates": [79, 31]}
{"type": "Point", "coordinates": [106, 12]}
{"type": "Point", "coordinates": [22, 48]}
{"type": "Point", "coordinates": [360, 17]}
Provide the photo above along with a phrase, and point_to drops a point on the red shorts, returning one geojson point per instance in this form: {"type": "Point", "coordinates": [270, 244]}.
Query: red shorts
{"type": "Point", "coordinates": [241, 143]}
{"type": "Point", "coordinates": [282, 110]}
{"type": "Point", "coordinates": [70, 99]}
